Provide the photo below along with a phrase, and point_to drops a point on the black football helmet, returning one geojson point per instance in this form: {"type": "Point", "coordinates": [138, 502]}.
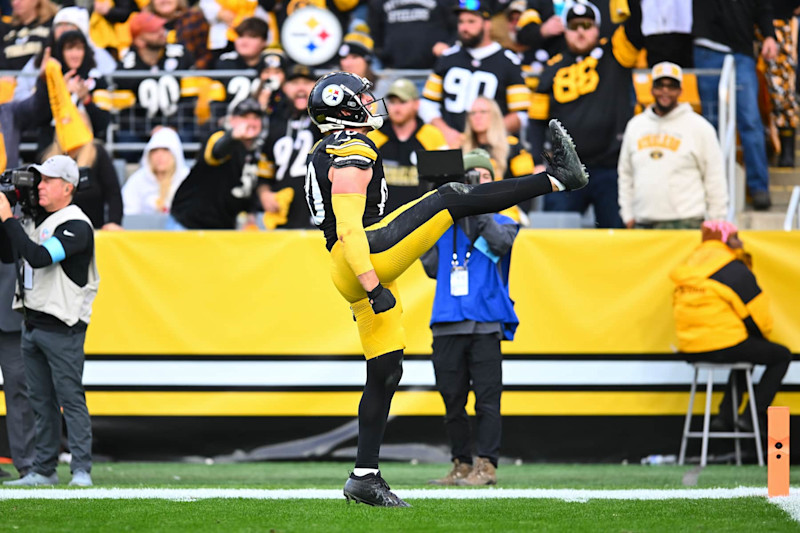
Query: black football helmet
{"type": "Point", "coordinates": [336, 102]}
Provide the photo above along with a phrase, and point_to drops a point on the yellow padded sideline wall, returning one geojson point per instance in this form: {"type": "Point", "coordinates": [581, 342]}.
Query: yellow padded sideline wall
{"type": "Point", "coordinates": [253, 293]}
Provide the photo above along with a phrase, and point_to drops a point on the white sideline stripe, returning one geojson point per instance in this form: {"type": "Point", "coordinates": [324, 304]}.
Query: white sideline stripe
{"type": "Point", "coordinates": [572, 495]}
{"type": "Point", "coordinates": [790, 504]}
{"type": "Point", "coordinates": [415, 374]}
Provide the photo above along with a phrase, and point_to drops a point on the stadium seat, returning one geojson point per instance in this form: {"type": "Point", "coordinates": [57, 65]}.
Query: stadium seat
{"type": "Point", "coordinates": [706, 434]}
{"type": "Point", "coordinates": [644, 97]}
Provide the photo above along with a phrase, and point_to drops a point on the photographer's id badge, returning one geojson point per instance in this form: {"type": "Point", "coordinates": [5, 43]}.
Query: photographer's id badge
{"type": "Point", "coordinates": [27, 276]}
{"type": "Point", "coordinates": [459, 281]}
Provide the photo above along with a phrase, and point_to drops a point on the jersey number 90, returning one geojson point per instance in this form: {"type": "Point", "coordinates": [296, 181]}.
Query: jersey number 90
{"type": "Point", "coordinates": [465, 86]}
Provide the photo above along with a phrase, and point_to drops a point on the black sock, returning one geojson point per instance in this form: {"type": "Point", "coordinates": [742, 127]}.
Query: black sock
{"type": "Point", "coordinates": [383, 375]}
{"type": "Point", "coordinates": [463, 200]}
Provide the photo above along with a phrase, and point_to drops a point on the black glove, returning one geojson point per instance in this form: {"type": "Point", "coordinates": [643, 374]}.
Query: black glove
{"type": "Point", "coordinates": [381, 299]}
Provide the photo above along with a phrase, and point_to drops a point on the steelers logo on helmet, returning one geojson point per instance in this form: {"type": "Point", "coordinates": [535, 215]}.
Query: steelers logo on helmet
{"type": "Point", "coordinates": [333, 95]}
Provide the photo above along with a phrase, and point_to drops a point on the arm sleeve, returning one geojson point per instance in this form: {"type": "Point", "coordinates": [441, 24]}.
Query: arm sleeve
{"type": "Point", "coordinates": [218, 148]}
{"type": "Point", "coordinates": [112, 195]}
{"type": "Point", "coordinates": [349, 212]}
{"type": "Point", "coordinates": [499, 236]}
{"type": "Point", "coordinates": [529, 28]}
{"type": "Point", "coordinates": [765, 17]}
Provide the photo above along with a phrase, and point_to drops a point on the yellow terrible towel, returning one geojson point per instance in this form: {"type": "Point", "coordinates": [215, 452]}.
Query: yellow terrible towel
{"type": "Point", "coordinates": [284, 198]}
{"type": "Point", "coordinates": [71, 131]}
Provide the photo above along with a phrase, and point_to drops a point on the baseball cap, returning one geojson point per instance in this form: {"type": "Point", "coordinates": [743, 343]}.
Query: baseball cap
{"type": "Point", "coordinates": [60, 166]}
{"type": "Point", "coordinates": [77, 16]}
{"type": "Point", "coordinates": [357, 43]}
{"type": "Point", "coordinates": [478, 158]}
{"type": "Point", "coordinates": [665, 69]}
{"type": "Point", "coordinates": [274, 58]}
{"type": "Point", "coordinates": [298, 70]}
{"type": "Point", "coordinates": [582, 9]}
{"type": "Point", "coordinates": [246, 106]}
{"type": "Point", "coordinates": [479, 7]}
{"type": "Point", "coordinates": [145, 22]}
{"type": "Point", "coordinates": [404, 89]}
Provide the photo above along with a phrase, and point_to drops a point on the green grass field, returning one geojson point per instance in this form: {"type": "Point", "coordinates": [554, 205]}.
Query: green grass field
{"type": "Point", "coordinates": [746, 514]}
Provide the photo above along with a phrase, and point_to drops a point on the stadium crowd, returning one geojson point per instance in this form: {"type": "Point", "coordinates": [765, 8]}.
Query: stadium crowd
{"type": "Point", "coordinates": [144, 82]}
{"type": "Point", "coordinates": [128, 69]}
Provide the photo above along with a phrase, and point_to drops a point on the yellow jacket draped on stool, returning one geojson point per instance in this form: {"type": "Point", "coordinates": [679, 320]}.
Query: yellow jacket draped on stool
{"type": "Point", "coordinates": [717, 302]}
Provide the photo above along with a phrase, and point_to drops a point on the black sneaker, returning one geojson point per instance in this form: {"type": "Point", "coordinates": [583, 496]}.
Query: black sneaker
{"type": "Point", "coordinates": [372, 490]}
{"type": "Point", "coordinates": [564, 164]}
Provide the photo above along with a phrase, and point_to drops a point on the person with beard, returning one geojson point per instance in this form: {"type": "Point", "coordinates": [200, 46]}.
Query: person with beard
{"type": "Point", "coordinates": [400, 139]}
{"type": "Point", "coordinates": [221, 183]}
{"type": "Point", "coordinates": [150, 51]}
{"type": "Point", "coordinates": [282, 164]}
{"type": "Point", "coordinates": [476, 67]}
{"type": "Point", "coordinates": [588, 88]}
{"type": "Point", "coordinates": [671, 169]}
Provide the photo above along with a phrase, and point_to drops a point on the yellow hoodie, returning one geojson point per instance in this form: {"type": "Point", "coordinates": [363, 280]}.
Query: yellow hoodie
{"type": "Point", "coordinates": [717, 301]}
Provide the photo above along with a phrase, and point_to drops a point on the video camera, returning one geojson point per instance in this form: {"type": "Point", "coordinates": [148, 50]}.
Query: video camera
{"type": "Point", "coordinates": [21, 185]}
{"type": "Point", "coordinates": [443, 166]}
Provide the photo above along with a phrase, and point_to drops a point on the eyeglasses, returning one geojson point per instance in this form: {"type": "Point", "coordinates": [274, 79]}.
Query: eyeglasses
{"type": "Point", "coordinates": [573, 25]}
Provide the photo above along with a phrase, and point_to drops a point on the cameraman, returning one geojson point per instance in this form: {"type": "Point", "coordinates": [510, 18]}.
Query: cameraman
{"type": "Point", "coordinates": [472, 312]}
{"type": "Point", "coordinates": [60, 282]}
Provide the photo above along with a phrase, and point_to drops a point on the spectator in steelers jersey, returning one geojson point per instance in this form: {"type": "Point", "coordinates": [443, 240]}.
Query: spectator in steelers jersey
{"type": "Point", "coordinates": [399, 140]}
{"type": "Point", "coordinates": [222, 181]}
{"type": "Point", "coordinates": [346, 194]}
{"type": "Point", "coordinates": [509, 158]}
{"type": "Point", "coordinates": [248, 46]}
{"type": "Point", "coordinates": [282, 164]}
{"type": "Point", "coordinates": [588, 87]}
{"type": "Point", "coordinates": [477, 66]}
{"type": "Point", "coordinates": [22, 35]}
{"type": "Point", "coordinates": [143, 100]}
{"type": "Point", "coordinates": [407, 33]}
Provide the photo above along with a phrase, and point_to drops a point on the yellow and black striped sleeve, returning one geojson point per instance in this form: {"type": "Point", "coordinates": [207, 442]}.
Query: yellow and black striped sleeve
{"type": "Point", "coordinates": [215, 152]}
{"type": "Point", "coordinates": [352, 152]}
{"type": "Point", "coordinates": [433, 89]}
{"type": "Point", "coordinates": [518, 98]}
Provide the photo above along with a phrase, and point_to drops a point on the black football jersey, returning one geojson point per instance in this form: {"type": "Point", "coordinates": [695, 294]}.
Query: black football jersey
{"type": "Point", "coordinates": [283, 163]}
{"type": "Point", "coordinates": [343, 149]}
{"type": "Point", "coordinates": [458, 79]}
{"type": "Point", "coordinates": [157, 100]}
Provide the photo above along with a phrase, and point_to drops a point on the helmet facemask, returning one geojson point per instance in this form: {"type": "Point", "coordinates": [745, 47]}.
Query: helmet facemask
{"type": "Point", "coordinates": [359, 109]}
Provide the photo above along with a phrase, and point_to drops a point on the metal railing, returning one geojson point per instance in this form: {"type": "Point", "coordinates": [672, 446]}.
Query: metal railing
{"type": "Point", "coordinates": [727, 135]}
{"type": "Point", "coordinates": [793, 211]}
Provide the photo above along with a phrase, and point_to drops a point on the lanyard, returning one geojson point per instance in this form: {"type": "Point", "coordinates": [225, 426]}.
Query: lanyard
{"type": "Point", "coordinates": [454, 262]}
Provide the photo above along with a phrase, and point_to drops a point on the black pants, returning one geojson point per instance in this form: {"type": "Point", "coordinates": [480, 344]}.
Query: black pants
{"type": "Point", "coordinates": [462, 362]}
{"type": "Point", "coordinates": [753, 350]}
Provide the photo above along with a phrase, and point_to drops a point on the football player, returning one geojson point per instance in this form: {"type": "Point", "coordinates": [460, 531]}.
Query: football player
{"type": "Point", "coordinates": [346, 192]}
